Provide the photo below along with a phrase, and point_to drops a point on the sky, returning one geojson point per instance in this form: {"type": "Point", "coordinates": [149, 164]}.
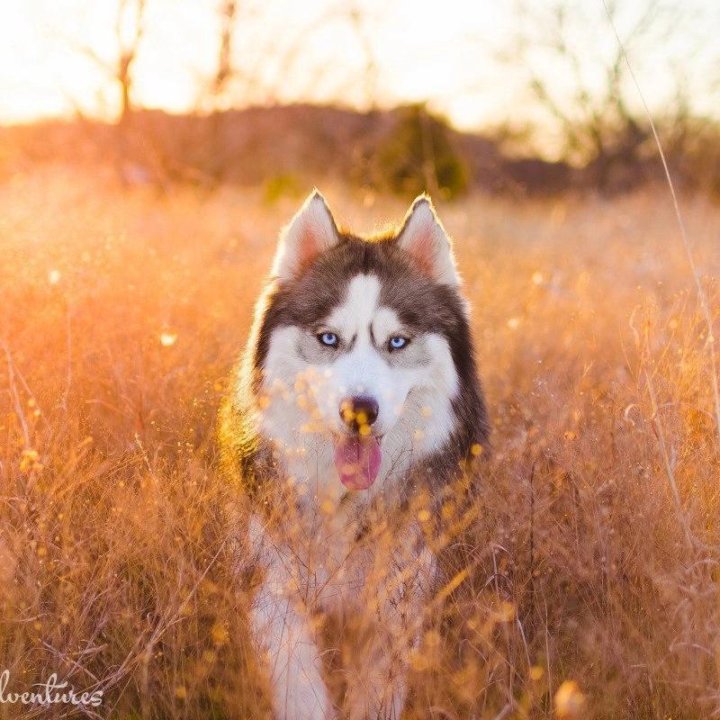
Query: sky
{"type": "Point", "coordinates": [456, 54]}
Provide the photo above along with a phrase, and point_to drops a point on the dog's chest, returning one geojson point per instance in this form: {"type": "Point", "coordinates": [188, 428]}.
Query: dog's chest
{"type": "Point", "coordinates": [335, 559]}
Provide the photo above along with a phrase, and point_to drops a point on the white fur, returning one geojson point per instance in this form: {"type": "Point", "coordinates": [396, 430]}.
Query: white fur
{"type": "Point", "coordinates": [340, 582]}
{"type": "Point", "coordinates": [284, 636]}
{"type": "Point", "coordinates": [303, 400]}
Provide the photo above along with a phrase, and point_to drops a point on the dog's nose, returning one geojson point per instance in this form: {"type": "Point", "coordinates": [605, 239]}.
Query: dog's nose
{"type": "Point", "coordinates": [358, 412]}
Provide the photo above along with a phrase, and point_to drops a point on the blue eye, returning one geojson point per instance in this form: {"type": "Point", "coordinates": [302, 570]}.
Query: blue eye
{"type": "Point", "coordinates": [328, 339]}
{"type": "Point", "coordinates": [397, 342]}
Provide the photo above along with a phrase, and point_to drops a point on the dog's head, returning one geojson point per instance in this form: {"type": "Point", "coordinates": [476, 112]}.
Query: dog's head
{"type": "Point", "coordinates": [360, 346]}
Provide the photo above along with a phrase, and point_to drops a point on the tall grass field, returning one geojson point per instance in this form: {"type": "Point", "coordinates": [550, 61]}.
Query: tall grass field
{"type": "Point", "coordinates": [587, 582]}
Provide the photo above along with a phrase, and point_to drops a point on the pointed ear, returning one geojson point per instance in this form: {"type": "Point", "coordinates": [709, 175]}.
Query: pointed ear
{"type": "Point", "coordinates": [424, 238]}
{"type": "Point", "coordinates": [311, 231]}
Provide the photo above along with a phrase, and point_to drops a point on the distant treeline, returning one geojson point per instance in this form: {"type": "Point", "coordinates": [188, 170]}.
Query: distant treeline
{"type": "Point", "coordinates": [404, 151]}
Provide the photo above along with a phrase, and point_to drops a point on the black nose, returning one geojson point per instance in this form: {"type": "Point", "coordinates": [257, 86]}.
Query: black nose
{"type": "Point", "coordinates": [359, 411]}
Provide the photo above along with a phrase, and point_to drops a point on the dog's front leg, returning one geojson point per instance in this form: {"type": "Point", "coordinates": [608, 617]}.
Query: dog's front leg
{"type": "Point", "coordinates": [377, 688]}
{"type": "Point", "coordinates": [283, 634]}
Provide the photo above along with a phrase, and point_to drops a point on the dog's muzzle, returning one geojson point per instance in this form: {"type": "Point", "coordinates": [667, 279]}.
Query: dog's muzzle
{"type": "Point", "coordinates": [359, 413]}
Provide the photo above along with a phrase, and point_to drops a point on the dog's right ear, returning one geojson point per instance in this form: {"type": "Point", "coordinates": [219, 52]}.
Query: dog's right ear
{"type": "Point", "coordinates": [311, 231]}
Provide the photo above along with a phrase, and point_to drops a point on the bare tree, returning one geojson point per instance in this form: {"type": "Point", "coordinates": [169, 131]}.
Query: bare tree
{"type": "Point", "coordinates": [578, 80]}
{"type": "Point", "coordinates": [129, 29]}
{"type": "Point", "coordinates": [370, 73]}
{"type": "Point", "coordinates": [225, 69]}
{"type": "Point", "coordinates": [219, 87]}
{"type": "Point", "coordinates": [128, 49]}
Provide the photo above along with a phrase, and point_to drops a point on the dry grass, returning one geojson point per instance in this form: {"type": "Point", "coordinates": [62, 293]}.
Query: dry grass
{"type": "Point", "coordinates": [120, 316]}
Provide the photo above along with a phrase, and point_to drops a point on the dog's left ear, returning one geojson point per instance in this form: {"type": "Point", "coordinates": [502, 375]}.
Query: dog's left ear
{"type": "Point", "coordinates": [424, 238]}
{"type": "Point", "coordinates": [311, 231]}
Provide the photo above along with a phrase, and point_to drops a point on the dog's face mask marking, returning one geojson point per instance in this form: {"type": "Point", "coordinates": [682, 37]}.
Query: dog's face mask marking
{"type": "Point", "coordinates": [363, 349]}
{"type": "Point", "coordinates": [350, 358]}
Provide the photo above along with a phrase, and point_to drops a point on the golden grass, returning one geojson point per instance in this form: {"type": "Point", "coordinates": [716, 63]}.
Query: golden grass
{"type": "Point", "coordinates": [589, 581]}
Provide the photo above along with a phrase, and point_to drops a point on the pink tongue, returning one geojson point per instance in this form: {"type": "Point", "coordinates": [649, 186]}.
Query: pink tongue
{"type": "Point", "coordinates": [358, 461]}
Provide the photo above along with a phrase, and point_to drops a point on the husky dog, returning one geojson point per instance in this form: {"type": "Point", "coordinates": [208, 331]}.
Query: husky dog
{"type": "Point", "coordinates": [357, 392]}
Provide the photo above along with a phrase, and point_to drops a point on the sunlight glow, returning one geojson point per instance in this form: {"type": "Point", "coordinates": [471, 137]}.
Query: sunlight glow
{"type": "Point", "coordinates": [57, 58]}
